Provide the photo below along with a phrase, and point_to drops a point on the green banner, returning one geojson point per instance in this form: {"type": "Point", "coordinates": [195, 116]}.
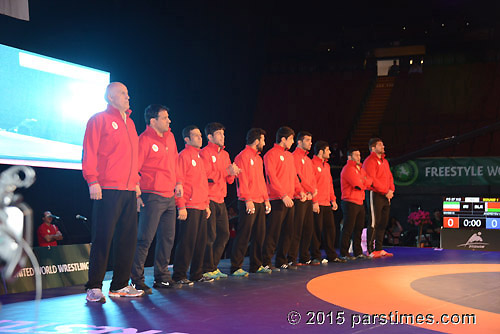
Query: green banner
{"type": "Point", "coordinates": [448, 172]}
{"type": "Point", "coordinates": [64, 265]}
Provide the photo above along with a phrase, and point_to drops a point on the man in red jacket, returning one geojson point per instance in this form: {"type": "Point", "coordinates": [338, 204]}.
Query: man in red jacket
{"type": "Point", "coordinates": [110, 167]}
{"type": "Point", "coordinates": [194, 210]}
{"type": "Point", "coordinates": [253, 205]}
{"type": "Point", "coordinates": [353, 183]}
{"type": "Point", "coordinates": [220, 172]}
{"type": "Point", "coordinates": [157, 165]}
{"type": "Point", "coordinates": [48, 234]}
{"type": "Point", "coordinates": [324, 203]}
{"type": "Point", "coordinates": [303, 217]}
{"type": "Point", "coordinates": [282, 184]}
{"type": "Point", "coordinates": [381, 193]}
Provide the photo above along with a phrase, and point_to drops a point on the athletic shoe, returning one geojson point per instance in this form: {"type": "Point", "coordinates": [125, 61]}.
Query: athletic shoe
{"type": "Point", "coordinates": [272, 268]}
{"type": "Point", "coordinates": [128, 291]}
{"type": "Point", "coordinates": [220, 274]}
{"type": "Point", "coordinates": [362, 257]}
{"type": "Point", "coordinates": [339, 259]}
{"type": "Point", "coordinates": [324, 261]}
{"type": "Point", "coordinates": [348, 258]}
{"type": "Point", "coordinates": [307, 263]}
{"type": "Point", "coordinates": [211, 274]}
{"type": "Point", "coordinates": [240, 273]}
{"type": "Point", "coordinates": [264, 270]}
{"type": "Point", "coordinates": [300, 264]}
{"type": "Point", "coordinates": [95, 295]}
{"type": "Point", "coordinates": [184, 281]}
{"type": "Point", "coordinates": [205, 279]}
{"type": "Point", "coordinates": [166, 285]}
{"type": "Point", "coordinates": [375, 254]}
{"type": "Point", "coordinates": [315, 262]}
{"type": "Point", "coordinates": [288, 266]}
{"type": "Point", "coordinates": [142, 286]}
{"type": "Point", "coordinates": [386, 254]}
{"type": "Point", "coordinates": [292, 264]}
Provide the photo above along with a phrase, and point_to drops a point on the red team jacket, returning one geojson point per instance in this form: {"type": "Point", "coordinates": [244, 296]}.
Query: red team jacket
{"type": "Point", "coordinates": [380, 172]}
{"type": "Point", "coordinates": [281, 175]}
{"type": "Point", "coordinates": [110, 151]}
{"type": "Point", "coordinates": [352, 178]}
{"type": "Point", "coordinates": [304, 168]}
{"type": "Point", "coordinates": [326, 194]}
{"type": "Point", "coordinates": [157, 162]}
{"type": "Point", "coordinates": [216, 162]}
{"type": "Point", "coordinates": [192, 175]}
{"type": "Point", "coordinates": [250, 184]}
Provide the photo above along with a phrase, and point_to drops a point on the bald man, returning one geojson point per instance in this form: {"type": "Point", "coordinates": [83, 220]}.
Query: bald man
{"type": "Point", "coordinates": [110, 167]}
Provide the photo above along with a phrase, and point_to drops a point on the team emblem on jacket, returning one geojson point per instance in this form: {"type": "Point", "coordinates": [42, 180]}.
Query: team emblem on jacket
{"type": "Point", "coordinates": [155, 147]}
{"type": "Point", "coordinates": [282, 158]}
{"type": "Point", "coordinates": [214, 159]}
{"type": "Point", "coordinates": [193, 163]}
{"type": "Point", "coordinates": [114, 125]}
{"type": "Point", "coordinates": [379, 162]}
{"type": "Point", "coordinates": [319, 169]}
{"type": "Point", "coordinates": [251, 162]}
{"type": "Point", "coordinates": [303, 161]}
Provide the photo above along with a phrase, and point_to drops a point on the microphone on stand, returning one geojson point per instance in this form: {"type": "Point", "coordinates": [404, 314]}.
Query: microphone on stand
{"type": "Point", "coordinates": [81, 217]}
{"type": "Point", "coordinates": [54, 216]}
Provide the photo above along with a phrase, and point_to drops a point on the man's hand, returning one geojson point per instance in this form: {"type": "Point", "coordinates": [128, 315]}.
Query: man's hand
{"type": "Point", "coordinates": [179, 190]}
{"type": "Point", "coordinates": [268, 207]}
{"type": "Point", "coordinates": [316, 207]}
{"type": "Point", "coordinates": [250, 207]}
{"type": "Point", "coordinates": [140, 204]}
{"type": "Point", "coordinates": [287, 201]}
{"type": "Point", "coordinates": [335, 206]}
{"type": "Point", "coordinates": [58, 236]}
{"type": "Point", "coordinates": [303, 196]}
{"type": "Point", "coordinates": [183, 214]}
{"type": "Point", "coordinates": [309, 196]}
{"type": "Point", "coordinates": [137, 191]}
{"type": "Point", "coordinates": [208, 212]}
{"type": "Point", "coordinates": [95, 191]}
{"type": "Point", "coordinates": [233, 169]}
{"type": "Point", "coordinates": [389, 195]}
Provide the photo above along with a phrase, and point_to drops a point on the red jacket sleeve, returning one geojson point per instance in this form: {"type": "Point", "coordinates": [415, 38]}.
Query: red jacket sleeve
{"type": "Point", "coordinates": [273, 181]}
{"type": "Point", "coordinates": [243, 178]}
{"type": "Point", "coordinates": [182, 166]}
{"type": "Point", "coordinates": [90, 147]}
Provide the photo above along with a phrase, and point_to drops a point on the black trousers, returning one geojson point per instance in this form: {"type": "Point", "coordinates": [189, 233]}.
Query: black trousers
{"type": "Point", "coordinates": [302, 226]}
{"type": "Point", "coordinates": [379, 208]}
{"type": "Point", "coordinates": [354, 221]}
{"type": "Point", "coordinates": [279, 232]}
{"type": "Point", "coordinates": [190, 247]}
{"type": "Point", "coordinates": [114, 222]}
{"type": "Point", "coordinates": [324, 234]}
{"type": "Point", "coordinates": [250, 228]}
{"type": "Point", "coordinates": [217, 236]}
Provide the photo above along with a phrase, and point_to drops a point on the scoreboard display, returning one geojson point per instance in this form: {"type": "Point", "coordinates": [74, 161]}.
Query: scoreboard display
{"type": "Point", "coordinates": [471, 212]}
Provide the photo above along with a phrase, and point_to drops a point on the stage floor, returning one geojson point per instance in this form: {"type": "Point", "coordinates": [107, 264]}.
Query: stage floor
{"type": "Point", "coordinates": [451, 291]}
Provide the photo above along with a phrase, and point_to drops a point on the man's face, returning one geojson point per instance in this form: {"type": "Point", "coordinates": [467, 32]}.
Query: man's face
{"type": "Point", "coordinates": [288, 142]}
{"type": "Point", "coordinates": [162, 122]}
{"type": "Point", "coordinates": [217, 138]}
{"type": "Point", "coordinates": [261, 143]}
{"type": "Point", "coordinates": [118, 97]}
{"type": "Point", "coordinates": [356, 157]}
{"type": "Point", "coordinates": [305, 143]}
{"type": "Point", "coordinates": [47, 218]}
{"type": "Point", "coordinates": [326, 153]}
{"type": "Point", "coordinates": [195, 139]}
{"type": "Point", "coordinates": [379, 148]}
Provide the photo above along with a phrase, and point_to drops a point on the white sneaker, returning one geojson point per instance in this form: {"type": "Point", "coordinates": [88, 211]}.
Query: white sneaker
{"type": "Point", "coordinates": [95, 295]}
{"type": "Point", "coordinates": [324, 261]}
{"type": "Point", "coordinates": [128, 291]}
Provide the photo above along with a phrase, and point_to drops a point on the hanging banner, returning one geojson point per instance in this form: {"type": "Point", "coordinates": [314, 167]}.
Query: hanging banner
{"type": "Point", "coordinates": [475, 171]}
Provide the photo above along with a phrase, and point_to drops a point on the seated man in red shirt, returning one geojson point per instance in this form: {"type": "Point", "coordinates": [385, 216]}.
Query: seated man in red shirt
{"type": "Point", "coordinates": [48, 233]}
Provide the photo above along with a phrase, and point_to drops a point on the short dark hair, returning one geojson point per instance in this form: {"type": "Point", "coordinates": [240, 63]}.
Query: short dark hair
{"type": "Point", "coordinates": [373, 142]}
{"type": "Point", "coordinates": [210, 128]}
{"type": "Point", "coordinates": [254, 134]}
{"type": "Point", "coordinates": [351, 150]}
{"type": "Point", "coordinates": [284, 131]}
{"type": "Point", "coordinates": [320, 145]}
{"type": "Point", "coordinates": [187, 131]}
{"type": "Point", "coordinates": [302, 134]}
{"type": "Point", "coordinates": [152, 111]}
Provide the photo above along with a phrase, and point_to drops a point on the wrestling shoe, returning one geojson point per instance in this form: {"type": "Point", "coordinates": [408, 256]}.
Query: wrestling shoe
{"type": "Point", "coordinates": [339, 260]}
{"type": "Point", "coordinates": [165, 285]}
{"type": "Point", "coordinates": [142, 286]}
{"type": "Point", "coordinates": [205, 279]}
{"type": "Point", "coordinates": [240, 273]}
{"type": "Point", "coordinates": [219, 273]}
{"type": "Point", "coordinates": [386, 254]}
{"type": "Point", "coordinates": [324, 261]}
{"type": "Point", "coordinates": [263, 270]}
{"type": "Point", "coordinates": [272, 268]}
{"type": "Point", "coordinates": [315, 262]}
{"type": "Point", "coordinates": [211, 274]}
{"type": "Point", "coordinates": [95, 295]}
{"type": "Point", "coordinates": [184, 281]}
{"type": "Point", "coordinates": [362, 256]}
{"type": "Point", "coordinates": [375, 254]}
{"type": "Point", "coordinates": [128, 291]}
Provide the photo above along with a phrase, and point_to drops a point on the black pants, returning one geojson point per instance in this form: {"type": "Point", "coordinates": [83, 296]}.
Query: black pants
{"type": "Point", "coordinates": [157, 217]}
{"type": "Point", "coordinates": [114, 221]}
{"type": "Point", "coordinates": [302, 229]}
{"type": "Point", "coordinates": [379, 208]}
{"type": "Point", "coordinates": [279, 231]}
{"type": "Point", "coordinates": [250, 228]}
{"type": "Point", "coordinates": [324, 234]}
{"type": "Point", "coordinates": [217, 236]}
{"type": "Point", "coordinates": [354, 221]}
{"type": "Point", "coordinates": [190, 247]}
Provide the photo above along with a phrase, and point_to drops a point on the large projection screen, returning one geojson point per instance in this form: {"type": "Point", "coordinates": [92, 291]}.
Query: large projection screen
{"type": "Point", "coordinates": [44, 107]}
